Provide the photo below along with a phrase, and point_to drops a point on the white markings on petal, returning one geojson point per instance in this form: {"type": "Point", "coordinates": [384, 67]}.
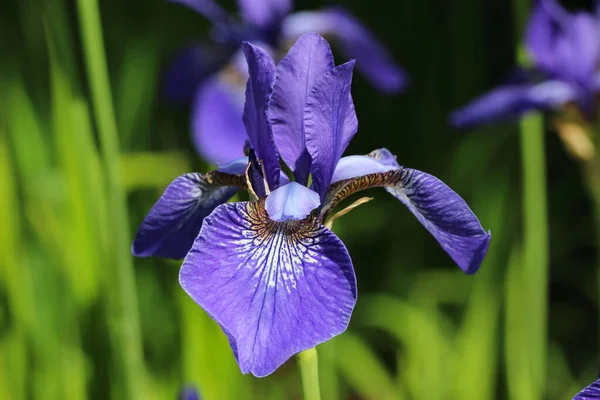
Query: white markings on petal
{"type": "Point", "coordinates": [291, 202]}
{"type": "Point", "coordinates": [277, 288]}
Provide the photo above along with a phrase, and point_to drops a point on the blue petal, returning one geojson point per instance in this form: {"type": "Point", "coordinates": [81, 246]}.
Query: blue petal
{"type": "Point", "coordinates": [259, 89]}
{"type": "Point", "coordinates": [275, 288]}
{"type": "Point", "coordinates": [355, 42]}
{"type": "Point", "coordinates": [445, 215]}
{"type": "Point", "coordinates": [591, 392]}
{"type": "Point", "coordinates": [189, 393]}
{"type": "Point", "coordinates": [192, 67]}
{"type": "Point", "coordinates": [235, 167]}
{"type": "Point", "coordinates": [512, 101]}
{"type": "Point", "coordinates": [540, 36]}
{"type": "Point", "coordinates": [218, 131]}
{"type": "Point", "coordinates": [441, 211]}
{"type": "Point", "coordinates": [385, 157]}
{"type": "Point", "coordinates": [355, 166]}
{"type": "Point", "coordinates": [307, 60]}
{"type": "Point", "coordinates": [255, 176]}
{"type": "Point", "coordinates": [264, 13]}
{"type": "Point", "coordinates": [174, 221]}
{"type": "Point", "coordinates": [577, 49]}
{"type": "Point", "coordinates": [291, 202]}
{"type": "Point", "coordinates": [567, 46]}
{"type": "Point", "coordinates": [329, 123]}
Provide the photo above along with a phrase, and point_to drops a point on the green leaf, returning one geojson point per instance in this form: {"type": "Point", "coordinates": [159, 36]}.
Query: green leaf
{"type": "Point", "coordinates": [361, 368]}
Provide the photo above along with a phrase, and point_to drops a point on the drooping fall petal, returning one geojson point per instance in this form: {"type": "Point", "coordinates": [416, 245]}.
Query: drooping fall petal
{"type": "Point", "coordinates": [276, 288]}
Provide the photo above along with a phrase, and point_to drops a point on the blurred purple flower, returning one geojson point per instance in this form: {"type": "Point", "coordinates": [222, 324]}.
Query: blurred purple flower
{"type": "Point", "coordinates": [591, 392]}
{"type": "Point", "coordinates": [189, 393]}
{"type": "Point", "coordinates": [194, 76]}
{"type": "Point", "coordinates": [268, 271]}
{"type": "Point", "coordinates": [565, 49]}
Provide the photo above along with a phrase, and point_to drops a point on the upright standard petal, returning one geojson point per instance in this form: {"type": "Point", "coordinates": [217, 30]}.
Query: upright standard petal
{"type": "Point", "coordinates": [174, 221]}
{"type": "Point", "coordinates": [218, 132]}
{"type": "Point", "coordinates": [291, 202]}
{"type": "Point", "coordinates": [192, 67]}
{"type": "Point", "coordinates": [329, 123]}
{"type": "Point", "coordinates": [355, 42]}
{"type": "Point", "coordinates": [540, 37]}
{"type": "Point", "coordinates": [307, 60]}
{"type": "Point", "coordinates": [577, 49]}
{"type": "Point", "coordinates": [264, 13]}
{"type": "Point", "coordinates": [441, 211]}
{"type": "Point", "coordinates": [259, 89]}
{"type": "Point", "coordinates": [591, 392]}
{"type": "Point", "coordinates": [275, 288]}
{"type": "Point", "coordinates": [255, 177]}
{"type": "Point", "coordinates": [208, 8]}
{"type": "Point", "coordinates": [513, 101]}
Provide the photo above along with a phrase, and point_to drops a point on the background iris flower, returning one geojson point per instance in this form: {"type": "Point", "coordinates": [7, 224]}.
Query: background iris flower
{"type": "Point", "coordinates": [268, 271]}
{"type": "Point", "coordinates": [189, 393]}
{"type": "Point", "coordinates": [565, 50]}
{"type": "Point", "coordinates": [212, 73]}
{"type": "Point", "coordinates": [590, 392]}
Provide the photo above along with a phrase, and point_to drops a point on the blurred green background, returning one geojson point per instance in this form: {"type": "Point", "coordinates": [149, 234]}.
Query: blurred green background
{"type": "Point", "coordinates": [81, 319]}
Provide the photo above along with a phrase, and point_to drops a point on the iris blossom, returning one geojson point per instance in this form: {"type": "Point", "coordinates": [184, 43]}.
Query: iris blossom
{"type": "Point", "coordinates": [565, 50]}
{"type": "Point", "coordinates": [591, 392]}
{"type": "Point", "coordinates": [212, 74]}
{"type": "Point", "coordinates": [189, 393]}
{"type": "Point", "coordinates": [268, 271]}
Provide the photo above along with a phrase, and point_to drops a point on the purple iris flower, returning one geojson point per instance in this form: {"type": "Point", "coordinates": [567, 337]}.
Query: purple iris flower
{"type": "Point", "coordinates": [565, 48]}
{"type": "Point", "coordinates": [212, 74]}
{"type": "Point", "coordinates": [591, 392]}
{"type": "Point", "coordinates": [189, 393]}
{"type": "Point", "coordinates": [268, 271]}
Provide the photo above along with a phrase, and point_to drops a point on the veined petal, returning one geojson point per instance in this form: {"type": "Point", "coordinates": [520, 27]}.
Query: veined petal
{"type": "Point", "coordinates": [174, 221]}
{"type": "Point", "coordinates": [441, 211]}
{"type": "Point", "coordinates": [354, 166]}
{"type": "Point", "coordinates": [218, 131]}
{"type": "Point", "coordinates": [255, 177]}
{"type": "Point", "coordinates": [355, 42]}
{"type": "Point", "coordinates": [307, 60]}
{"type": "Point", "coordinates": [276, 288]}
{"type": "Point", "coordinates": [329, 123]}
{"type": "Point", "coordinates": [261, 70]}
{"type": "Point", "coordinates": [264, 13]}
{"type": "Point", "coordinates": [512, 101]}
{"type": "Point", "coordinates": [445, 215]}
{"type": "Point", "coordinates": [192, 67]}
{"type": "Point", "coordinates": [291, 202]}
{"type": "Point", "coordinates": [591, 392]}
{"type": "Point", "coordinates": [208, 8]}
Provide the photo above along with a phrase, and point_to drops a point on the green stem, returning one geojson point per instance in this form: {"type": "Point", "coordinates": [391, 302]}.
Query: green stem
{"type": "Point", "coordinates": [533, 318]}
{"type": "Point", "coordinates": [309, 371]}
{"type": "Point", "coordinates": [592, 173]}
{"type": "Point", "coordinates": [535, 246]}
{"type": "Point", "coordinates": [122, 293]}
